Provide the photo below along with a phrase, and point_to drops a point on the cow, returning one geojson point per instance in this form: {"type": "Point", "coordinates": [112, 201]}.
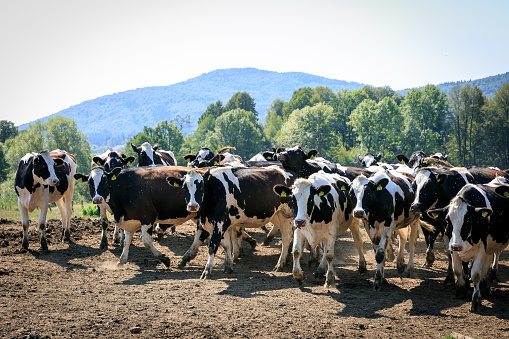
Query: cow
{"type": "Point", "coordinates": [439, 156]}
{"type": "Point", "coordinates": [434, 188]}
{"type": "Point", "coordinates": [323, 210]}
{"type": "Point", "coordinates": [477, 228]}
{"type": "Point", "coordinates": [139, 197]}
{"type": "Point", "coordinates": [151, 156]}
{"type": "Point", "coordinates": [109, 160]}
{"type": "Point", "coordinates": [419, 159]}
{"type": "Point", "coordinates": [382, 201]}
{"type": "Point", "coordinates": [194, 160]}
{"type": "Point", "coordinates": [267, 155]}
{"type": "Point", "coordinates": [43, 178]}
{"type": "Point", "coordinates": [231, 197]}
{"type": "Point", "coordinates": [369, 159]}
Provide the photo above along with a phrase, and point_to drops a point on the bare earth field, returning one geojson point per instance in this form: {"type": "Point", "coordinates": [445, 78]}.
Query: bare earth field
{"type": "Point", "coordinates": [76, 290]}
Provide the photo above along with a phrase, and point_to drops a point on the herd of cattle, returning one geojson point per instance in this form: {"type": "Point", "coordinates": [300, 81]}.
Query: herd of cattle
{"type": "Point", "coordinates": [308, 199]}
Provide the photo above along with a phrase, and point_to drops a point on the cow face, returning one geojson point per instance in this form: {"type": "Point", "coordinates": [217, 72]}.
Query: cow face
{"type": "Point", "coordinates": [425, 186]}
{"type": "Point", "coordinates": [370, 159]}
{"type": "Point", "coordinates": [196, 160]}
{"type": "Point", "coordinates": [145, 154]}
{"type": "Point", "coordinates": [98, 183]}
{"type": "Point", "coordinates": [414, 161]}
{"type": "Point", "coordinates": [461, 219]}
{"type": "Point", "coordinates": [44, 169]}
{"type": "Point", "coordinates": [194, 188]}
{"type": "Point", "coordinates": [293, 158]}
{"type": "Point", "coordinates": [112, 159]}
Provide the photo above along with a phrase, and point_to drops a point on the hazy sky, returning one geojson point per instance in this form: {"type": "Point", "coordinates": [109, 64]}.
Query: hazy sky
{"type": "Point", "coordinates": [55, 54]}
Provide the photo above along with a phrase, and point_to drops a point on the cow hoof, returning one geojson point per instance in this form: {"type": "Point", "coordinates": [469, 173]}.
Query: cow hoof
{"type": "Point", "coordinates": [103, 246]}
{"type": "Point", "coordinates": [299, 277]}
{"type": "Point", "coordinates": [407, 273]}
{"type": "Point", "coordinates": [66, 236]}
{"type": "Point", "coordinates": [476, 304]}
{"type": "Point", "coordinates": [165, 260]}
{"type": "Point", "coordinates": [206, 275]}
{"type": "Point", "coordinates": [430, 259]}
{"type": "Point", "coordinates": [319, 272]}
{"type": "Point", "coordinates": [449, 280]}
{"type": "Point", "coordinates": [44, 245]}
{"type": "Point", "coordinates": [228, 270]}
{"type": "Point", "coordinates": [363, 269]}
{"type": "Point", "coordinates": [253, 243]}
{"type": "Point", "coordinates": [377, 284]}
{"type": "Point", "coordinates": [267, 241]}
{"type": "Point", "coordinates": [278, 268]}
{"type": "Point", "coordinates": [401, 268]}
{"type": "Point", "coordinates": [493, 276]}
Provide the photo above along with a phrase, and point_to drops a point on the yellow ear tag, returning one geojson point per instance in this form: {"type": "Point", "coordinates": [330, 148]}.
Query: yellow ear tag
{"type": "Point", "coordinates": [379, 188]}
{"type": "Point", "coordinates": [283, 194]}
{"type": "Point", "coordinates": [208, 178]}
{"type": "Point", "coordinates": [484, 214]}
{"type": "Point", "coordinates": [403, 162]}
{"type": "Point", "coordinates": [312, 157]}
{"type": "Point", "coordinates": [435, 215]}
{"type": "Point", "coordinates": [320, 194]}
{"type": "Point", "coordinates": [269, 158]}
{"type": "Point", "coordinates": [114, 177]}
{"type": "Point", "coordinates": [343, 188]}
{"type": "Point", "coordinates": [176, 184]}
{"type": "Point", "coordinates": [506, 194]}
{"type": "Point", "coordinates": [81, 180]}
{"type": "Point", "coordinates": [215, 163]}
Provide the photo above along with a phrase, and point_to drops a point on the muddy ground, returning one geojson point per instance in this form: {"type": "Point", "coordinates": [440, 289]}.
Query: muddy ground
{"type": "Point", "coordinates": [76, 290]}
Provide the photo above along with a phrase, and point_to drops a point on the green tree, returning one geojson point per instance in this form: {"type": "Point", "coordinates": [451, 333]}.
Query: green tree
{"type": "Point", "coordinates": [379, 93]}
{"type": "Point", "coordinates": [238, 128]}
{"type": "Point", "coordinates": [4, 165]}
{"type": "Point", "coordinates": [310, 127]}
{"type": "Point", "coordinates": [241, 100]}
{"type": "Point", "coordinates": [495, 129]}
{"type": "Point", "coordinates": [274, 118]}
{"type": "Point", "coordinates": [321, 94]}
{"type": "Point", "coordinates": [7, 130]}
{"type": "Point", "coordinates": [300, 99]}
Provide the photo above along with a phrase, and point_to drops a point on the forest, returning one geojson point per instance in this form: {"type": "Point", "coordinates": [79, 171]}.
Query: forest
{"type": "Point", "coordinates": [472, 128]}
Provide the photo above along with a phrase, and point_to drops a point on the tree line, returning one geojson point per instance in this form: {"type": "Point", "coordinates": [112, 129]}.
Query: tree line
{"type": "Point", "coordinates": [471, 128]}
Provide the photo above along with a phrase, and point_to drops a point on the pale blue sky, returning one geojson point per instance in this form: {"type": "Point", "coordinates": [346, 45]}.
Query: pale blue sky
{"type": "Point", "coordinates": [55, 54]}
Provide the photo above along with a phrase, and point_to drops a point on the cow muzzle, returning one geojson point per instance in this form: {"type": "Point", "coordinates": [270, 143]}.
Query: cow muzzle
{"type": "Point", "coordinates": [416, 208]}
{"type": "Point", "coordinates": [98, 200]}
{"type": "Point", "coordinates": [192, 207]}
{"type": "Point", "coordinates": [359, 214]}
{"type": "Point", "coordinates": [300, 223]}
{"type": "Point", "coordinates": [456, 248]}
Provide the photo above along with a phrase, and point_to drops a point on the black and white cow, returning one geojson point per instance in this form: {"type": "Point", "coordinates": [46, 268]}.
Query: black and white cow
{"type": "Point", "coordinates": [232, 197]}
{"type": "Point", "coordinates": [267, 155]}
{"type": "Point", "coordinates": [323, 210]}
{"type": "Point", "coordinates": [439, 156]}
{"type": "Point", "coordinates": [477, 227]}
{"type": "Point", "coordinates": [383, 201]}
{"type": "Point", "coordinates": [139, 197]}
{"type": "Point", "coordinates": [369, 159]}
{"type": "Point", "coordinates": [434, 188]}
{"type": "Point", "coordinates": [43, 178]}
{"type": "Point", "coordinates": [194, 160]}
{"type": "Point", "coordinates": [109, 160]}
{"type": "Point", "coordinates": [418, 160]}
{"type": "Point", "coordinates": [151, 156]}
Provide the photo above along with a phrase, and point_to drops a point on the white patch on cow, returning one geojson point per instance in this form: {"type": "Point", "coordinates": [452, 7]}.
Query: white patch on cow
{"type": "Point", "coordinates": [497, 182]}
{"type": "Point", "coordinates": [148, 151]}
{"type": "Point", "coordinates": [189, 181]}
{"type": "Point", "coordinates": [96, 175]}
{"type": "Point", "coordinates": [403, 177]}
{"type": "Point", "coordinates": [27, 157]}
{"type": "Point", "coordinates": [285, 174]}
{"type": "Point", "coordinates": [170, 154]}
{"type": "Point", "coordinates": [369, 160]}
{"type": "Point", "coordinates": [358, 190]}
{"type": "Point", "coordinates": [204, 153]}
{"type": "Point", "coordinates": [463, 172]}
{"type": "Point", "coordinates": [51, 167]}
{"type": "Point", "coordinates": [322, 164]}
{"type": "Point", "coordinates": [258, 157]}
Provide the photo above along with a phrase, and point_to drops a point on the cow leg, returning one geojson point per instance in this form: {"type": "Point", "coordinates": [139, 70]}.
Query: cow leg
{"type": "Point", "coordinates": [104, 227]}
{"type": "Point", "coordinates": [494, 267]}
{"type": "Point", "coordinates": [25, 221]}
{"type": "Point", "coordinates": [329, 257]}
{"type": "Point", "coordinates": [380, 256]}
{"type": "Point", "coordinates": [457, 268]}
{"type": "Point", "coordinates": [320, 270]}
{"type": "Point", "coordinates": [227, 245]}
{"type": "Point", "coordinates": [357, 238]}
{"type": "Point", "coordinates": [118, 235]}
{"type": "Point", "coordinates": [271, 235]}
{"type": "Point", "coordinates": [147, 241]}
{"type": "Point", "coordinates": [414, 230]}
{"type": "Point", "coordinates": [42, 225]}
{"type": "Point", "coordinates": [249, 239]}
{"type": "Point", "coordinates": [125, 251]}
{"type": "Point", "coordinates": [200, 236]}
{"type": "Point", "coordinates": [480, 265]}
{"type": "Point", "coordinates": [400, 259]}
{"type": "Point", "coordinates": [298, 241]}
{"type": "Point", "coordinates": [285, 226]}
{"type": "Point", "coordinates": [213, 245]}
{"type": "Point", "coordinates": [236, 237]}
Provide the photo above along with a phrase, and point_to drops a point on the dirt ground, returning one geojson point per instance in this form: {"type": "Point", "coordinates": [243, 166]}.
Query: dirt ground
{"type": "Point", "coordinates": [76, 290]}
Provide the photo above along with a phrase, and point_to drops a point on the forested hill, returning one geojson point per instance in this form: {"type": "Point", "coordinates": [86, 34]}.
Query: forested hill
{"type": "Point", "coordinates": [113, 119]}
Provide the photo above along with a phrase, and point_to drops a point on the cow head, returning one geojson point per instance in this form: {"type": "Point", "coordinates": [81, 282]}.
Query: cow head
{"type": "Point", "coordinates": [293, 158]}
{"type": "Point", "coordinates": [426, 188]}
{"type": "Point", "coordinates": [43, 168]}
{"type": "Point", "coordinates": [414, 161]}
{"type": "Point", "coordinates": [193, 185]}
{"type": "Point", "coordinates": [99, 183]}
{"type": "Point", "coordinates": [439, 156]}
{"type": "Point", "coordinates": [112, 159]}
{"type": "Point", "coordinates": [370, 159]}
{"type": "Point", "coordinates": [461, 218]}
{"type": "Point", "coordinates": [145, 154]}
{"type": "Point", "coordinates": [196, 160]}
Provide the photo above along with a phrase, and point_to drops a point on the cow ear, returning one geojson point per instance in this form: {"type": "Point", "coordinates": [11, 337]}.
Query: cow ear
{"type": "Point", "coordinates": [437, 214]}
{"type": "Point", "coordinates": [58, 162]}
{"type": "Point", "coordinates": [503, 191]}
{"type": "Point", "coordinates": [81, 177]}
{"type": "Point", "coordinates": [136, 149]}
{"type": "Point", "coordinates": [360, 159]}
{"type": "Point", "coordinates": [112, 175]}
{"type": "Point", "coordinates": [282, 191]}
{"type": "Point", "coordinates": [175, 182]}
{"type": "Point", "coordinates": [380, 185]}
{"type": "Point", "coordinates": [312, 153]}
{"type": "Point", "coordinates": [444, 157]}
{"type": "Point", "coordinates": [129, 160]}
{"type": "Point", "coordinates": [98, 161]}
{"type": "Point", "coordinates": [402, 159]}
{"type": "Point", "coordinates": [342, 186]}
{"type": "Point", "coordinates": [155, 147]}
{"type": "Point", "coordinates": [483, 212]}
{"type": "Point", "coordinates": [190, 157]}
{"type": "Point", "coordinates": [268, 155]}
{"type": "Point", "coordinates": [323, 190]}
{"type": "Point", "coordinates": [378, 156]}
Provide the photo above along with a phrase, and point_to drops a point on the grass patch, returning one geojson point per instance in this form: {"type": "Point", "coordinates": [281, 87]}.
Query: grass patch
{"type": "Point", "coordinates": [78, 209]}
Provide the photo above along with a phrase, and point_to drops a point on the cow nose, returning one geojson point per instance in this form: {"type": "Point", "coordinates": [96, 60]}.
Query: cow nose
{"type": "Point", "coordinates": [300, 222]}
{"type": "Point", "coordinates": [416, 207]}
{"type": "Point", "coordinates": [55, 182]}
{"type": "Point", "coordinates": [359, 214]}
{"type": "Point", "coordinates": [98, 200]}
{"type": "Point", "coordinates": [456, 248]}
{"type": "Point", "coordinates": [192, 207]}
